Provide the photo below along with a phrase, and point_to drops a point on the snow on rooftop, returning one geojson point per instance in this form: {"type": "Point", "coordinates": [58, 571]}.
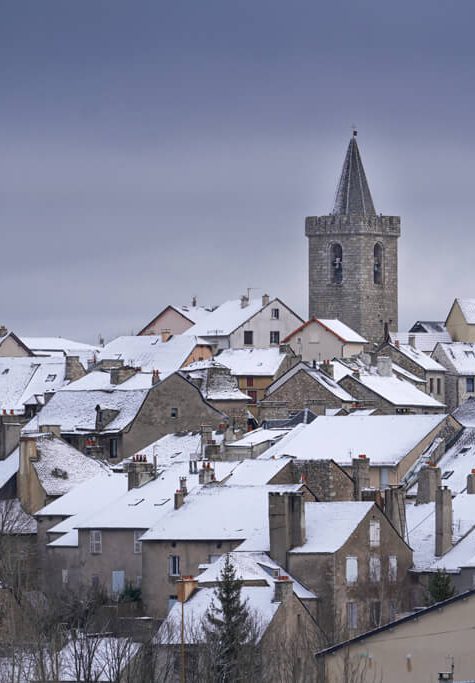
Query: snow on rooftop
{"type": "Point", "coordinates": [225, 319]}
{"type": "Point", "coordinates": [458, 462]}
{"type": "Point", "coordinates": [329, 525]}
{"type": "Point", "coordinates": [149, 352]}
{"type": "Point", "coordinates": [59, 345]}
{"type": "Point", "coordinates": [88, 496]}
{"type": "Point", "coordinates": [252, 362]}
{"type": "Point", "coordinates": [460, 356]}
{"type": "Point", "coordinates": [421, 358]}
{"type": "Point", "coordinates": [384, 439]}
{"type": "Point", "coordinates": [75, 411]}
{"type": "Point", "coordinates": [256, 472]}
{"type": "Point", "coordinates": [465, 413]}
{"type": "Point", "coordinates": [260, 435]}
{"type": "Point", "coordinates": [194, 313]}
{"type": "Point", "coordinates": [467, 306]}
{"type": "Point", "coordinates": [25, 380]}
{"type": "Point", "coordinates": [60, 467]}
{"type": "Point", "coordinates": [101, 380]}
{"type": "Point", "coordinates": [9, 467]}
{"type": "Point", "coordinates": [398, 391]}
{"type": "Point", "coordinates": [425, 341]}
{"type": "Point", "coordinates": [343, 331]}
{"type": "Point", "coordinates": [215, 381]}
{"type": "Point", "coordinates": [318, 375]}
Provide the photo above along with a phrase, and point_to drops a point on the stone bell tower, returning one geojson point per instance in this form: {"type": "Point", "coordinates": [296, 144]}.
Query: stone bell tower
{"type": "Point", "coordinates": [353, 257]}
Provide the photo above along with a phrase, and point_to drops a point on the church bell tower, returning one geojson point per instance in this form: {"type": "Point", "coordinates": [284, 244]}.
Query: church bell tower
{"type": "Point", "coordinates": [353, 257]}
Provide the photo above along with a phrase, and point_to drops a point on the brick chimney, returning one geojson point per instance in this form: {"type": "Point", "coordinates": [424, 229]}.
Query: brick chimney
{"type": "Point", "coordinates": [395, 508]}
{"type": "Point", "coordinates": [471, 482]}
{"type": "Point", "coordinates": [265, 300]}
{"type": "Point", "coordinates": [385, 366]}
{"type": "Point", "coordinates": [51, 429]}
{"type": "Point", "coordinates": [3, 331]}
{"type": "Point", "coordinates": [283, 589]}
{"type": "Point", "coordinates": [286, 524]}
{"type": "Point", "coordinates": [206, 474]}
{"type": "Point", "coordinates": [121, 374]}
{"type": "Point", "coordinates": [139, 472]}
{"type": "Point", "coordinates": [155, 377]}
{"type": "Point", "coordinates": [428, 479]}
{"type": "Point", "coordinates": [412, 340]}
{"type": "Point", "coordinates": [74, 369]}
{"type": "Point", "coordinates": [361, 480]}
{"type": "Point", "coordinates": [443, 520]}
{"type": "Point", "coordinates": [179, 499]}
{"type": "Point", "coordinates": [244, 301]}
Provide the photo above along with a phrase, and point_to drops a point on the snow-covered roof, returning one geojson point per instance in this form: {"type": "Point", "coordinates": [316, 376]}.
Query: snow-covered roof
{"type": "Point", "coordinates": [149, 352]}
{"type": "Point", "coordinates": [344, 332]}
{"type": "Point", "coordinates": [25, 380]}
{"type": "Point", "coordinates": [60, 467]}
{"type": "Point", "coordinates": [9, 467]}
{"type": "Point", "coordinates": [225, 319]}
{"type": "Point", "coordinates": [260, 600]}
{"type": "Point", "coordinates": [465, 413]}
{"type": "Point", "coordinates": [14, 520]}
{"type": "Point", "coordinates": [256, 472]}
{"type": "Point", "coordinates": [180, 447]}
{"type": "Point", "coordinates": [398, 391]}
{"type": "Point", "coordinates": [384, 439]}
{"type": "Point", "coordinates": [425, 341]}
{"type": "Point", "coordinates": [101, 379]}
{"type": "Point", "coordinates": [419, 357]}
{"type": "Point", "coordinates": [467, 307]}
{"type": "Point", "coordinates": [329, 525]}
{"type": "Point", "coordinates": [88, 496]}
{"type": "Point", "coordinates": [215, 381]}
{"type": "Point", "coordinates": [218, 513]}
{"type": "Point", "coordinates": [458, 462]}
{"type": "Point", "coordinates": [428, 326]}
{"type": "Point", "coordinates": [193, 313]}
{"type": "Point", "coordinates": [317, 375]}
{"type": "Point", "coordinates": [459, 356]}
{"type": "Point", "coordinates": [252, 362]}
{"type": "Point", "coordinates": [75, 411]}
{"type": "Point", "coordinates": [259, 436]}
{"type": "Point", "coordinates": [58, 345]}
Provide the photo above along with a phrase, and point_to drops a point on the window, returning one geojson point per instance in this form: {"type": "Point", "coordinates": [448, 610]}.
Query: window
{"type": "Point", "coordinates": [470, 383]}
{"type": "Point", "coordinates": [174, 565]}
{"type": "Point", "coordinates": [274, 313]}
{"type": "Point", "coordinates": [378, 264]}
{"type": "Point", "coordinates": [253, 396]}
{"type": "Point", "coordinates": [50, 378]}
{"type": "Point", "coordinates": [374, 533]}
{"type": "Point", "coordinates": [374, 568]}
{"type": "Point", "coordinates": [95, 542]}
{"type": "Point", "coordinates": [336, 264]}
{"type": "Point", "coordinates": [275, 337]}
{"type": "Point", "coordinates": [392, 610]}
{"type": "Point", "coordinates": [470, 354]}
{"type": "Point", "coordinates": [250, 381]}
{"type": "Point", "coordinates": [352, 615]}
{"type": "Point", "coordinates": [375, 613]}
{"type": "Point", "coordinates": [171, 601]}
{"type": "Point", "coordinates": [64, 576]}
{"type": "Point", "coordinates": [351, 569]}
{"type": "Point", "coordinates": [248, 337]}
{"type": "Point", "coordinates": [431, 385]}
{"type": "Point", "coordinates": [173, 413]}
{"type": "Point", "coordinates": [113, 448]}
{"type": "Point", "coordinates": [137, 542]}
{"type": "Point", "coordinates": [392, 568]}
{"type": "Point", "coordinates": [439, 386]}
{"type": "Point", "coordinates": [213, 558]}
{"type": "Point", "coordinates": [95, 582]}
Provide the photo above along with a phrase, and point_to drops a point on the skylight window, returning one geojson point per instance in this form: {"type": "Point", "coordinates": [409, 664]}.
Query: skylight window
{"type": "Point", "coordinates": [6, 371]}
{"type": "Point", "coordinates": [50, 378]}
{"type": "Point", "coordinates": [447, 474]}
{"type": "Point", "coordinates": [470, 354]}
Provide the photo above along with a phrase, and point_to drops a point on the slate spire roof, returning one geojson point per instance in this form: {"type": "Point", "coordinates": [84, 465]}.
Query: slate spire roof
{"type": "Point", "coordinates": [353, 195]}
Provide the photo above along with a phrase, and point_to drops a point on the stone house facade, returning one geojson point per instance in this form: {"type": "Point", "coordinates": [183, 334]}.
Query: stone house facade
{"type": "Point", "coordinates": [459, 360]}
{"type": "Point", "coordinates": [460, 321]}
{"type": "Point", "coordinates": [353, 257]}
{"type": "Point", "coordinates": [320, 340]}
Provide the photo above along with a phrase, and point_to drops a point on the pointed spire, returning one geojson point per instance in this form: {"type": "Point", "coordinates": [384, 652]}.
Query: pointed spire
{"type": "Point", "coordinates": [353, 195]}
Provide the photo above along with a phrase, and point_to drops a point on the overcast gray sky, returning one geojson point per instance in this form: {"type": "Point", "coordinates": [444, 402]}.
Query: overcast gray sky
{"type": "Point", "coordinates": [151, 151]}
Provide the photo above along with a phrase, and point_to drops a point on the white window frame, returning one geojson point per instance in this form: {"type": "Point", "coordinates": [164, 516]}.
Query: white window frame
{"type": "Point", "coordinates": [374, 568]}
{"type": "Point", "coordinates": [137, 543]}
{"type": "Point", "coordinates": [275, 313]}
{"type": "Point", "coordinates": [352, 615]}
{"type": "Point", "coordinates": [392, 568]}
{"type": "Point", "coordinates": [95, 541]}
{"type": "Point", "coordinates": [65, 576]}
{"type": "Point", "coordinates": [351, 569]}
{"type": "Point", "coordinates": [374, 533]}
{"type": "Point", "coordinates": [274, 333]}
{"type": "Point", "coordinates": [173, 565]}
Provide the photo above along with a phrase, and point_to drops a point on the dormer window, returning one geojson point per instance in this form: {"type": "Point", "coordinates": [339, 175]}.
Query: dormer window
{"type": "Point", "coordinates": [378, 264]}
{"type": "Point", "coordinates": [336, 264]}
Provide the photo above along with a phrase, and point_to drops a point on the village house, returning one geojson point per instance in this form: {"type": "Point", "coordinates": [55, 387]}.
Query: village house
{"type": "Point", "coordinates": [304, 387]}
{"type": "Point", "coordinates": [433, 644]}
{"type": "Point", "coordinates": [319, 339]}
{"type": "Point", "coordinates": [459, 360]}
{"type": "Point", "coordinates": [173, 320]}
{"type": "Point", "coordinates": [247, 323]}
{"type": "Point", "coordinates": [429, 326]}
{"type": "Point", "coordinates": [418, 363]}
{"type": "Point", "coordinates": [423, 341]}
{"type": "Point", "coordinates": [460, 321]}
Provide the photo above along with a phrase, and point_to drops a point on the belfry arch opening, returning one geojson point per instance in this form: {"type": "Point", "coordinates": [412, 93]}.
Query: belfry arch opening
{"type": "Point", "coordinates": [336, 263]}
{"type": "Point", "coordinates": [378, 263]}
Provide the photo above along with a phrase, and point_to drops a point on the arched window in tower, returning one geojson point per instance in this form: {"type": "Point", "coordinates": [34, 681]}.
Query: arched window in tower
{"type": "Point", "coordinates": [336, 263]}
{"type": "Point", "coordinates": [378, 264]}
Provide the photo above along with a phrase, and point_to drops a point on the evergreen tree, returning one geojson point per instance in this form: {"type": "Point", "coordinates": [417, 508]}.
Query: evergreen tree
{"type": "Point", "coordinates": [229, 629]}
{"type": "Point", "coordinates": [440, 587]}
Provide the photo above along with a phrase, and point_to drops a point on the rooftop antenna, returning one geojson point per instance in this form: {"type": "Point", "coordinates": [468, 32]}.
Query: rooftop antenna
{"type": "Point", "coordinates": [354, 130]}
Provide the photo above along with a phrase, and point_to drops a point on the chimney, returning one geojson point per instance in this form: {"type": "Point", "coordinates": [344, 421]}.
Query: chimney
{"type": "Point", "coordinates": [443, 520]}
{"type": "Point", "coordinates": [283, 589]}
{"type": "Point", "coordinates": [428, 479]}
{"type": "Point", "coordinates": [185, 587]}
{"type": "Point", "coordinates": [193, 302]}
{"type": "Point", "coordinates": [412, 340]}
{"type": "Point", "coordinates": [193, 464]}
{"type": "Point", "coordinates": [183, 487]}
{"type": "Point", "coordinates": [3, 331]}
{"type": "Point", "coordinates": [179, 499]}
{"type": "Point", "coordinates": [121, 374]}
{"type": "Point", "coordinates": [139, 472]}
{"type": "Point", "coordinates": [25, 483]}
{"type": "Point", "coordinates": [397, 344]}
{"type": "Point", "coordinates": [373, 496]}
{"type": "Point", "coordinates": [327, 368]}
{"type": "Point", "coordinates": [155, 377]}
{"type": "Point", "coordinates": [395, 508]}
{"type": "Point", "coordinates": [244, 301]}
{"type": "Point", "coordinates": [73, 369]}
{"type": "Point", "coordinates": [286, 524]}
{"type": "Point", "coordinates": [385, 366]}
{"type": "Point", "coordinates": [471, 482]}
{"type": "Point", "coordinates": [446, 676]}
{"type": "Point", "coordinates": [265, 300]}
{"type": "Point", "coordinates": [361, 480]}
{"type": "Point", "coordinates": [206, 438]}
{"type": "Point", "coordinates": [51, 429]}
{"type": "Point", "coordinates": [206, 474]}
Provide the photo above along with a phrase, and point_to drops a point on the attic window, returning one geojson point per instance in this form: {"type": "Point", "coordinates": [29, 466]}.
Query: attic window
{"type": "Point", "coordinates": [50, 378]}
{"type": "Point", "coordinates": [470, 354]}
{"type": "Point", "coordinates": [447, 474]}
